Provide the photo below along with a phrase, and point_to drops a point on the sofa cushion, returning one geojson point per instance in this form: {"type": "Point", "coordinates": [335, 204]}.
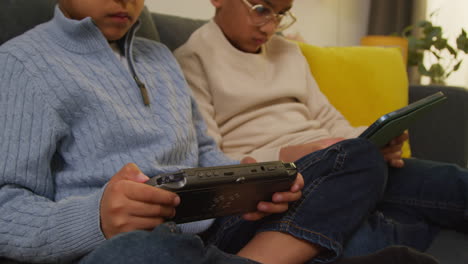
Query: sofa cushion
{"type": "Point", "coordinates": [363, 83]}
{"type": "Point", "coordinates": [18, 16]}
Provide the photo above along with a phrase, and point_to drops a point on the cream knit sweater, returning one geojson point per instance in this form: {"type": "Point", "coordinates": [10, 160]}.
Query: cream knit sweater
{"type": "Point", "coordinates": [254, 104]}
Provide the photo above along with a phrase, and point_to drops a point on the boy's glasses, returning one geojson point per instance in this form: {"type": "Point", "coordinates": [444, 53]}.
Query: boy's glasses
{"type": "Point", "coordinates": [261, 15]}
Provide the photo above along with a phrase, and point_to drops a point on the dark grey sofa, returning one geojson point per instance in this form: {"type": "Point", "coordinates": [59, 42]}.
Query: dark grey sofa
{"type": "Point", "coordinates": [442, 136]}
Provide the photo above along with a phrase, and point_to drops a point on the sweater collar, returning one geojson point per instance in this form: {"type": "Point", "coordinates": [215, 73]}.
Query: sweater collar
{"type": "Point", "coordinates": [79, 36]}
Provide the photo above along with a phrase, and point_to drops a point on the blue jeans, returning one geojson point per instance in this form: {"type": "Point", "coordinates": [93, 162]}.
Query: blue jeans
{"type": "Point", "coordinates": [165, 244]}
{"type": "Point", "coordinates": [420, 198]}
{"type": "Point", "coordinates": [343, 184]}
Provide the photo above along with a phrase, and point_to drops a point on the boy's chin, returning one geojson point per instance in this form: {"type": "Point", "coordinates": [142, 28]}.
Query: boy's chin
{"type": "Point", "coordinates": [255, 50]}
{"type": "Point", "coordinates": [250, 49]}
{"type": "Point", "coordinates": [114, 35]}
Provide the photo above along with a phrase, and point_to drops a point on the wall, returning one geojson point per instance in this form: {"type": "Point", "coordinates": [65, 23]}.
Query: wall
{"type": "Point", "coordinates": [332, 22]}
{"type": "Point", "coordinates": [320, 22]}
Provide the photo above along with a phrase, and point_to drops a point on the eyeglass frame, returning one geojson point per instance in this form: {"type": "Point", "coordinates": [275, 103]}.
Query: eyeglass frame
{"type": "Point", "coordinates": [276, 18]}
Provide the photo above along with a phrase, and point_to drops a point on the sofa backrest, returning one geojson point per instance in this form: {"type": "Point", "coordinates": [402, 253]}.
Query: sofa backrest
{"type": "Point", "coordinates": [18, 16]}
{"type": "Point", "coordinates": [174, 30]}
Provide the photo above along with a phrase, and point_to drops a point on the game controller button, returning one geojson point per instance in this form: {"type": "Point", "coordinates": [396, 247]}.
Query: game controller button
{"type": "Point", "coordinates": [240, 180]}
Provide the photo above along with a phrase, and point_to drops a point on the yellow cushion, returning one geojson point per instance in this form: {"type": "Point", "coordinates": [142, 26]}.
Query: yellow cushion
{"type": "Point", "coordinates": [363, 83]}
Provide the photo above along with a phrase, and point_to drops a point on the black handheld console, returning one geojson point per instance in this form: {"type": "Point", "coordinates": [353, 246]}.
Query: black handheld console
{"type": "Point", "coordinates": [225, 190]}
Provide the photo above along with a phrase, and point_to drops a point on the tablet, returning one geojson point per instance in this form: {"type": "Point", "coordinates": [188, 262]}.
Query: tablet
{"type": "Point", "coordinates": [211, 192]}
{"type": "Point", "coordinates": [395, 123]}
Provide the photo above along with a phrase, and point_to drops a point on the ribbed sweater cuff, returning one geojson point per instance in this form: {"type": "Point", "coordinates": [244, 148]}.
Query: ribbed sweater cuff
{"type": "Point", "coordinates": [196, 227]}
{"type": "Point", "coordinates": [78, 225]}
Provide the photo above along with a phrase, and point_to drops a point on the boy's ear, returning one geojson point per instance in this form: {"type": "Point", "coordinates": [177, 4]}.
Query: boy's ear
{"type": "Point", "coordinates": [217, 3]}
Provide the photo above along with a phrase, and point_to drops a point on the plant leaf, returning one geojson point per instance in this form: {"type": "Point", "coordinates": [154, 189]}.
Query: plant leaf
{"type": "Point", "coordinates": [415, 58]}
{"type": "Point", "coordinates": [436, 70]}
{"type": "Point", "coordinates": [452, 50]}
{"type": "Point", "coordinates": [424, 23]}
{"type": "Point", "coordinates": [457, 66]}
{"type": "Point", "coordinates": [462, 41]}
{"type": "Point", "coordinates": [440, 44]}
{"type": "Point", "coordinates": [424, 44]}
{"type": "Point", "coordinates": [436, 55]}
{"type": "Point", "coordinates": [412, 43]}
{"type": "Point", "coordinates": [422, 70]}
{"type": "Point", "coordinates": [431, 40]}
{"type": "Point", "coordinates": [432, 32]}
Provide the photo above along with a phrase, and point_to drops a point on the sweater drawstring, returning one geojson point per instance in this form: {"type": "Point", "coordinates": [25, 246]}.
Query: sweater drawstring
{"type": "Point", "coordinates": [143, 90]}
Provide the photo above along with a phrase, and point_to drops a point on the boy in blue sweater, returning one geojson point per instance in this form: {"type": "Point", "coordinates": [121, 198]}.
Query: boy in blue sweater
{"type": "Point", "coordinates": [88, 112]}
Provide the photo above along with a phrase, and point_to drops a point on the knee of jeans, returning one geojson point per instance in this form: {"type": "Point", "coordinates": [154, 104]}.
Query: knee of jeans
{"type": "Point", "coordinates": [378, 166]}
{"type": "Point", "coordinates": [365, 153]}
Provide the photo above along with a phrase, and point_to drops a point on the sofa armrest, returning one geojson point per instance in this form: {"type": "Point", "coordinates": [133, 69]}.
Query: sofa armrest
{"type": "Point", "coordinates": [441, 135]}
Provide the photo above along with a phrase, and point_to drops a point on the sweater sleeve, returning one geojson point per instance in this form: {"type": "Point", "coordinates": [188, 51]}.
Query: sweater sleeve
{"type": "Point", "coordinates": [264, 154]}
{"type": "Point", "coordinates": [33, 226]}
{"type": "Point", "coordinates": [209, 152]}
{"type": "Point", "coordinates": [196, 77]}
{"type": "Point", "coordinates": [322, 110]}
{"type": "Point", "coordinates": [209, 136]}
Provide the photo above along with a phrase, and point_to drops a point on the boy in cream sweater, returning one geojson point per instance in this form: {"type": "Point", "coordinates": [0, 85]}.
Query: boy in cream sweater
{"type": "Point", "coordinates": [257, 96]}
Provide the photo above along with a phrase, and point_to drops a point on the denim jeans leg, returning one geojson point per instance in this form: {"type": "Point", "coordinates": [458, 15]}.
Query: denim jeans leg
{"type": "Point", "coordinates": [343, 183]}
{"type": "Point", "coordinates": [165, 244]}
{"type": "Point", "coordinates": [433, 191]}
{"type": "Point", "coordinates": [420, 198]}
{"type": "Point", "coordinates": [379, 231]}
{"type": "Point", "coordinates": [231, 233]}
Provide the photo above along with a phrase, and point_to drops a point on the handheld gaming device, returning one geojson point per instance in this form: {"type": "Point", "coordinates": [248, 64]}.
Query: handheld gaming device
{"type": "Point", "coordinates": [225, 190]}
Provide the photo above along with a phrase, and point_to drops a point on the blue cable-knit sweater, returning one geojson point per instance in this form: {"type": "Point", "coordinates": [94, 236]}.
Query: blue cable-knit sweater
{"type": "Point", "coordinates": [71, 115]}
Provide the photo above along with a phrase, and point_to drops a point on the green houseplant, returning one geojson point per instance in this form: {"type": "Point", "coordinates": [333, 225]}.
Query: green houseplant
{"type": "Point", "coordinates": [427, 39]}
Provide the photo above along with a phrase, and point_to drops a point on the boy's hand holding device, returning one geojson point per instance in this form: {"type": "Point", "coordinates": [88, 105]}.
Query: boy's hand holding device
{"type": "Point", "coordinates": [128, 205]}
{"type": "Point", "coordinates": [280, 200]}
